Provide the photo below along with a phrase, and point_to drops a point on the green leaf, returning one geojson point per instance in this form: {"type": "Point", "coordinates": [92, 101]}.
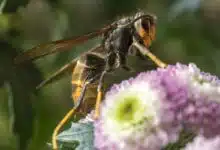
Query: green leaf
{"type": "Point", "coordinates": [79, 136]}
{"type": "Point", "coordinates": [184, 138]}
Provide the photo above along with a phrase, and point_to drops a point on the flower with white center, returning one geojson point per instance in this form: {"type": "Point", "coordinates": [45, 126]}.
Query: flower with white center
{"type": "Point", "coordinates": [150, 110]}
{"type": "Point", "coordinates": [134, 114]}
{"type": "Point", "coordinates": [135, 106]}
{"type": "Point", "coordinates": [130, 113]}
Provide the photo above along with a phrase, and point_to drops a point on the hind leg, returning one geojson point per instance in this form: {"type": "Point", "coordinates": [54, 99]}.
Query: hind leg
{"type": "Point", "coordinates": [71, 112]}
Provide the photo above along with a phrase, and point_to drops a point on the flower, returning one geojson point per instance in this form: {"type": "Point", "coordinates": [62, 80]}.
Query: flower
{"type": "Point", "coordinates": [129, 107]}
{"type": "Point", "coordinates": [129, 114]}
{"type": "Point", "coordinates": [202, 143]}
{"type": "Point", "coordinates": [137, 114]}
{"type": "Point", "coordinates": [150, 110]}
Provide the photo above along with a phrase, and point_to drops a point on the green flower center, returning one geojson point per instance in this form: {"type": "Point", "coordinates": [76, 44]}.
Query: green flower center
{"type": "Point", "coordinates": [126, 109]}
{"type": "Point", "coordinates": [128, 112]}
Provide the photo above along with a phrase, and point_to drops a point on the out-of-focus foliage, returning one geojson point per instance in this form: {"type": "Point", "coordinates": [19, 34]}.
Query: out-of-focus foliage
{"type": "Point", "coordinates": [20, 88]}
{"type": "Point", "coordinates": [187, 31]}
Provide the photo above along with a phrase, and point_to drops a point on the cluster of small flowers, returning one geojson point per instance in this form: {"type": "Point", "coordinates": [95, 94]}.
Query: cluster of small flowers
{"type": "Point", "coordinates": [150, 110]}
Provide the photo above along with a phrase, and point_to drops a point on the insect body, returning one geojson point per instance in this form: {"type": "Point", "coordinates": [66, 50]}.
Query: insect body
{"type": "Point", "coordinates": [113, 51]}
{"type": "Point", "coordinates": [90, 68]}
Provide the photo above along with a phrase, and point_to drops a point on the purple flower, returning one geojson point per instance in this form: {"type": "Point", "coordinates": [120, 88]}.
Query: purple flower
{"type": "Point", "coordinates": [140, 113]}
{"type": "Point", "coordinates": [130, 117]}
{"type": "Point", "coordinates": [202, 112]}
{"type": "Point", "coordinates": [150, 110]}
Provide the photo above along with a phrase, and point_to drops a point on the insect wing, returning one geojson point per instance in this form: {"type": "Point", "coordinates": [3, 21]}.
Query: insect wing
{"type": "Point", "coordinates": [58, 46]}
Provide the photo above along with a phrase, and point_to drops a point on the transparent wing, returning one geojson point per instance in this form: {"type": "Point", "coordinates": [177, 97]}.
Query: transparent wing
{"type": "Point", "coordinates": [58, 46]}
{"type": "Point", "coordinates": [68, 68]}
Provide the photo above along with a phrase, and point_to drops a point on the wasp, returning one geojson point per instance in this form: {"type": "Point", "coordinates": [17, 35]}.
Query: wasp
{"type": "Point", "coordinates": [131, 35]}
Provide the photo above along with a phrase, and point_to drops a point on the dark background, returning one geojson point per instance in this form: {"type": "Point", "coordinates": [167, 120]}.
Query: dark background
{"type": "Point", "coordinates": [187, 31]}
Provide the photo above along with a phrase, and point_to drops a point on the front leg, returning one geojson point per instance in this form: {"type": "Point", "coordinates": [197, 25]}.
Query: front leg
{"type": "Point", "coordinates": [123, 62]}
{"type": "Point", "coordinates": [147, 53]}
{"type": "Point", "coordinates": [133, 51]}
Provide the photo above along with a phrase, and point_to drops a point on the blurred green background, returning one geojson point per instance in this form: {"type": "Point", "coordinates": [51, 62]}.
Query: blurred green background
{"type": "Point", "coordinates": [187, 31]}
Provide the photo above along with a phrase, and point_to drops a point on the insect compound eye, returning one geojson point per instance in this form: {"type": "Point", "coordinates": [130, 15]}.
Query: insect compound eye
{"type": "Point", "coordinates": [147, 23]}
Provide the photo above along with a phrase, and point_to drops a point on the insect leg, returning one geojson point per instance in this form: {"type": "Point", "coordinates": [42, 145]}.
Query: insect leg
{"type": "Point", "coordinates": [146, 52]}
{"type": "Point", "coordinates": [133, 51]}
{"type": "Point", "coordinates": [123, 62]}
{"type": "Point", "coordinates": [99, 95]}
{"type": "Point", "coordinates": [59, 126]}
{"type": "Point", "coordinates": [59, 73]}
{"type": "Point", "coordinates": [71, 112]}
